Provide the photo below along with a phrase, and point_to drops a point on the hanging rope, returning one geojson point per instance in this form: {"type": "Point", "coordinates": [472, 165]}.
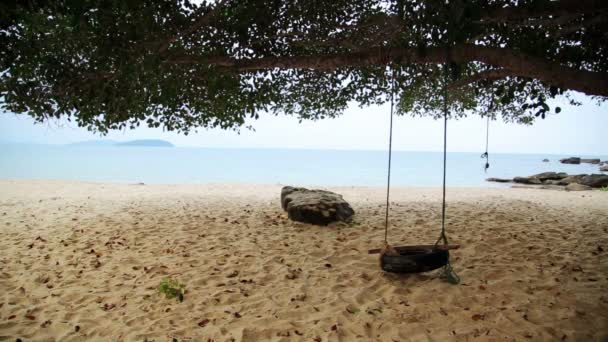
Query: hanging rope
{"type": "Point", "coordinates": [485, 154]}
{"type": "Point", "coordinates": [448, 272]}
{"type": "Point", "coordinates": [442, 236]}
{"type": "Point", "coordinates": [390, 152]}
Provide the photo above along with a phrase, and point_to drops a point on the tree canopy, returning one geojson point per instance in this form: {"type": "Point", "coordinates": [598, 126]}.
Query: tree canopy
{"type": "Point", "coordinates": [110, 64]}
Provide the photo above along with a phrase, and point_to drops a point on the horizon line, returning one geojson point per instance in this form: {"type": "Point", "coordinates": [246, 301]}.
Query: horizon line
{"type": "Point", "coordinates": [296, 148]}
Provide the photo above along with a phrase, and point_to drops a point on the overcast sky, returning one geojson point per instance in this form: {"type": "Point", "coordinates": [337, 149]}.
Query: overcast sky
{"type": "Point", "coordinates": [576, 130]}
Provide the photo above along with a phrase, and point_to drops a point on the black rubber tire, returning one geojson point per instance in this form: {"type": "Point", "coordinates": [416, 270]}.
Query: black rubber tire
{"type": "Point", "coordinates": [414, 261]}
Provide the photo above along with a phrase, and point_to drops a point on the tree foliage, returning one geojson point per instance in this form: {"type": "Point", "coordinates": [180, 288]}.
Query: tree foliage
{"type": "Point", "coordinates": [110, 64]}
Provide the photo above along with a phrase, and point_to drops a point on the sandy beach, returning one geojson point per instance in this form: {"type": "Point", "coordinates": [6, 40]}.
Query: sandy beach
{"type": "Point", "coordinates": [82, 261]}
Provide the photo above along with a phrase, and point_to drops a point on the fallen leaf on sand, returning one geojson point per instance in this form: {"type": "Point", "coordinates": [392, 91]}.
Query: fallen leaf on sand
{"type": "Point", "coordinates": [108, 307]}
{"type": "Point", "coordinates": [477, 317]}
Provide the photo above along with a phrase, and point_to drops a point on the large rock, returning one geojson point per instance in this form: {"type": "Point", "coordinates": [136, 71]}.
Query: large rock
{"type": "Point", "coordinates": [571, 179]}
{"type": "Point", "coordinates": [604, 168]}
{"type": "Point", "coordinates": [595, 180]}
{"type": "Point", "coordinates": [318, 207]}
{"type": "Point", "coordinates": [590, 161]}
{"type": "Point", "coordinates": [537, 187]}
{"type": "Point", "coordinates": [577, 187]}
{"type": "Point", "coordinates": [527, 180]}
{"type": "Point", "coordinates": [550, 176]}
{"type": "Point", "coordinates": [571, 160]}
{"type": "Point", "coordinates": [545, 160]}
{"type": "Point", "coordinates": [499, 180]}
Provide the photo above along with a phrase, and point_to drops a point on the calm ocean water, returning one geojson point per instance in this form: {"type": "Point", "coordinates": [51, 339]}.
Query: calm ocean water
{"type": "Point", "coordinates": [270, 166]}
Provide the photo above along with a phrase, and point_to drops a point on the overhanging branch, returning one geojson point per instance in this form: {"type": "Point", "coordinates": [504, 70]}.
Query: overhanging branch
{"type": "Point", "coordinates": [552, 8]}
{"type": "Point", "coordinates": [488, 75]}
{"type": "Point", "coordinates": [204, 20]}
{"type": "Point", "coordinates": [517, 64]}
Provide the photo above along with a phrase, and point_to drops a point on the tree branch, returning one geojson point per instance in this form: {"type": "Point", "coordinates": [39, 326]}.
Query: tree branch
{"type": "Point", "coordinates": [204, 20]}
{"type": "Point", "coordinates": [553, 8]}
{"type": "Point", "coordinates": [487, 75]}
{"type": "Point", "coordinates": [517, 64]}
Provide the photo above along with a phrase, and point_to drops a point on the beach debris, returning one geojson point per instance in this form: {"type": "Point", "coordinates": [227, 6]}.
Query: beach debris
{"type": "Point", "coordinates": [478, 317]}
{"type": "Point", "coordinates": [108, 307]}
{"type": "Point", "coordinates": [319, 207]}
{"type": "Point", "coordinates": [352, 310]}
{"type": "Point", "coordinates": [293, 273]}
{"type": "Point", "coordinates": [233, 274]}
{"type": "Point", "coordinates": [300, 297]}
{"type": "Point", "coordinates": [171, 288]}
{"type": "Point", "coordinates": [203, 322]}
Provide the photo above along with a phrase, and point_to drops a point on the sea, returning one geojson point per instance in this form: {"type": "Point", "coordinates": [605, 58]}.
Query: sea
{"type": "Point", "coordinates": [301, 167]}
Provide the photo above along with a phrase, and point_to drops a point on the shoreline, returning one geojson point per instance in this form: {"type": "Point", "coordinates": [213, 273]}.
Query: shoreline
{"type": "Point", "coordinates": [83, 260]}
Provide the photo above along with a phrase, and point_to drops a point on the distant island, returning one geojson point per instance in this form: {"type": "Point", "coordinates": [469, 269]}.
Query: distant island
{"type": "Point", "coordinates": [142, 142]}
{"type": "Point", "coordinates": [146, 142]}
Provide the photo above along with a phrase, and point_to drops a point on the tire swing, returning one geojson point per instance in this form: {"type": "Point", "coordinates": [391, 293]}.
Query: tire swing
{"type": "Point", "coordinates": [419, 258]}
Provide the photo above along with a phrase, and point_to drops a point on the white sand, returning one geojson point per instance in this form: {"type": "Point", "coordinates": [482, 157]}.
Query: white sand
{"type": "Point", "coordinates": [81, 261]}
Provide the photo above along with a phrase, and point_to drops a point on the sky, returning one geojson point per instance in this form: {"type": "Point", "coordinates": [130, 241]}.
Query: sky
{"type": "Point", "coordinates": [578, 130]}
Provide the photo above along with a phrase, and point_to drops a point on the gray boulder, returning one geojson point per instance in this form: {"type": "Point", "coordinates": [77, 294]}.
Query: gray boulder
{"type": "Point", "coordinates": [527, 180]}
{"type": "Point", "coordinates": [590, 161]}
{"type": "Point", "coordinates": [537, 187]}
{"type": "Point", "coordinates": [595, 180]}
{"type": "Point", "coordinates": [571, 179]}
{"type": "Point", "coordinates": [318, 207]}
{"type": "Point", "coordinates": [577, 187]}
{"type": "Point", "coordinates": [550, 176]}
{"type": "Point", "coordinates": [499, 180]}
{"type": "Point", "coordinates": [571, 160]}
{"type": "Point", "coordinates": [604, 168]}
{"type": "Point", "coordinates": [545, 160]}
